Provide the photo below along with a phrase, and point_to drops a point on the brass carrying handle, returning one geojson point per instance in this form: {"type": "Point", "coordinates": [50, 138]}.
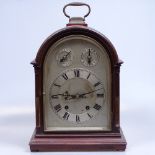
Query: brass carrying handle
{"type": "Point", "coordinates": [76, 4]}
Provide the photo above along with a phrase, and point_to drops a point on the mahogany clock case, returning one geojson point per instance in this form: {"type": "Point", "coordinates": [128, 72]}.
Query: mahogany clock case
{"type": "Point", "coordinates": [78, 140]}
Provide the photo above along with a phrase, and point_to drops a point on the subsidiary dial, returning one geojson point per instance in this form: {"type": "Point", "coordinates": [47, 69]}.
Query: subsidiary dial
{"type": "Point", "coordinates": [89, 57]}
{"type": "Point", "coordinates": [65, 57]}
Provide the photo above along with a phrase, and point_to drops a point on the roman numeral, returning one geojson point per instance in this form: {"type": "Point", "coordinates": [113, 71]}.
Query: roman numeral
{"type": "Point", "coordinates": [89, 115]}
{"type": "Point", "coordinates": [57, 107]}
{"type": "Point", "coordinates": [57, 85]}
{"type": "Point", "coordinates": [77, 73]}
{"type": "Point", "coordinates": [88, 76]}
{"type": "Point", "coordinates": [96, 84]}
{"type": "Point", "coordinates": [77, 118]}
{"type": "Point", "coordinates": [100, 95]}
{"type": "Point", "coordinates": [97, 107]}
{"type": "Point", "coordinates": [65, 76]}
{"type": "Point", "coordinates": [66, 115]}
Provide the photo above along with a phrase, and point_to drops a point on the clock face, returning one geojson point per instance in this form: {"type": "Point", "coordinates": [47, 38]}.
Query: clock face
{"type": "Point", "coordinates": [89, 57]}
{"type": "Point", "coordinates": [65, 57]}
{"type": "Point", "coordinates": [76, 86]}
{"type": "Point", "coordinates": [77, 95]}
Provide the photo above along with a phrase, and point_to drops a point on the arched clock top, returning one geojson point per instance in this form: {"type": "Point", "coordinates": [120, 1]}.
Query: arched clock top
{"type": "Point", "coordinates": [77, 30]}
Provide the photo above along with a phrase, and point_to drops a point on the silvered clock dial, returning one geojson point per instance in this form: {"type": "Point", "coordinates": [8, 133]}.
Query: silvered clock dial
{"type": "Point", "coordinates": [76, 96]}
{"type": "Point", "coordinates": [89, 57]}
{"type": "Point", "coordinates": [64, 57]}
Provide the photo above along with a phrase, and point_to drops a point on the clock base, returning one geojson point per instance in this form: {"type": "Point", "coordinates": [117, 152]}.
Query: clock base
{"type": "Point", "coordinates": [77, 142]}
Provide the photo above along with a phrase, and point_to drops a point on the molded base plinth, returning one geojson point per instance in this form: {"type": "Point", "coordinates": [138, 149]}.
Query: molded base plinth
{"type": "Point", "coordinates": [78, 143]}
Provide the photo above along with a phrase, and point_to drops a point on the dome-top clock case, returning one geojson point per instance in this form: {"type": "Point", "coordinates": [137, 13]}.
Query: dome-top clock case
{"type": "Point", "coordinates": [77, 91]}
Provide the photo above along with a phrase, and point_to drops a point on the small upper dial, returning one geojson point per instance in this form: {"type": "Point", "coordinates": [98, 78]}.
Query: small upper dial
{"type": "Point", "coordinates": [89, 57]}
{"type": "Point", "coordinates": [65, 57]}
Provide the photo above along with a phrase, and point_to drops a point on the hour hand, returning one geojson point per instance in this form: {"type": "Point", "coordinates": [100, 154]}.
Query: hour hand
{"type": "Point", "coordinates": [57, 96]}
{"type": "Point", "coordinates": [64, 58]}
{"type": "Point", "coordinates": [77, 96]}
{"type": "Point", "coordinates": [66, 94]}
{"type": "Point", "coordinates": [89, 58]}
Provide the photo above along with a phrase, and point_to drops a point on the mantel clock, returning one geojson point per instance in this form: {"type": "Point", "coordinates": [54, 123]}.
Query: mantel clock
{"type": "Point", "coordinates": [77, 91]}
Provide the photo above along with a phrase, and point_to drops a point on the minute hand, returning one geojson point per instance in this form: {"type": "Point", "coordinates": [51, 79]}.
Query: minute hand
{"type": "Point", "coordinates": [90, 92]}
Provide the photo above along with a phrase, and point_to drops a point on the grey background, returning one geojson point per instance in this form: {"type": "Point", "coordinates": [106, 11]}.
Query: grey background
{"type": "Point", "coordinates": [25, 24]}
